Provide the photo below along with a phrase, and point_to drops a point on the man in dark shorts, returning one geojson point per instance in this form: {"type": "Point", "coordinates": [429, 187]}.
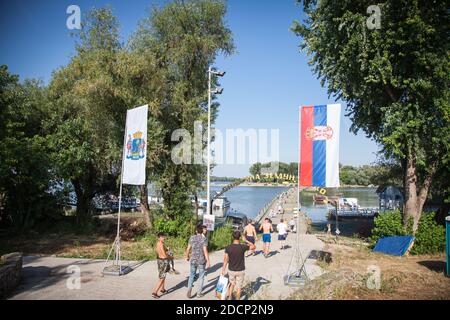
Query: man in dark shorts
{"type": "Point", "coordinates": [234, 257]}
{"type": "Point", "coordinates": [250, 234]}
{"type": "Point", "coordinates": [163, 261]}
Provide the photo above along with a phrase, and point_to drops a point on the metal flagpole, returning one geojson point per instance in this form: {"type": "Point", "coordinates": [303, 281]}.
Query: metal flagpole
{"type": "Point", "coordinates": [117, 264]}
{"type": "Point", "coordinates": [295, 278]}
{"type": "Point", "coordinates": [208, 196]}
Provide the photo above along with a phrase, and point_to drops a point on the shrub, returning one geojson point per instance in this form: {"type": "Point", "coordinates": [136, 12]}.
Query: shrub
{"type": "Point", "coordinates": [386, 225]}
{"type": "Point", "coordinates": [430, 237]}
{"type": "Point", "coordinates": [221, 238]}
{"type": "Point", "coordinates": [177, 227]}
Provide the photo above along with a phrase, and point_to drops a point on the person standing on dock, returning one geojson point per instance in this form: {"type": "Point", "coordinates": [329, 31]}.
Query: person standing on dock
{"type": "Point", "coordinates": [266, 228]}
{"type": "Point", "coordinates": [282, 233]}
{"type": "Point", "coordinates": [250, 234]}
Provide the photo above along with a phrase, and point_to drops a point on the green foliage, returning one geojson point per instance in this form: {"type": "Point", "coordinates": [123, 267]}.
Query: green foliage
{"type": "Point", "coordinates": [386, 225]}
{"type": "Point", "coordinates": [394, 80]}
{"type": "Point", "coordinates": [25, 167]}
{"type": "Point", "coordinates": [283, 168]}
{"type": "Point", "coordinates": [430, 237]}
{"type": "Point", "coordinates": [221, 238]}
{"type": "Point", "coordinates": [178, 227]}
{"type": "Point", "coordinates": [71, 132]}
{"type": "Point", "coordinates": [183, 39]}
{"type": "Point", "coordinates": [86, 113]}
{"type": "Point", "coordinates": [350, 175]}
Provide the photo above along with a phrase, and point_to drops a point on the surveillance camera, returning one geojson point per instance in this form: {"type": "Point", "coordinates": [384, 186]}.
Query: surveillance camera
{"type": "Point", "coordinates": [218, 91]}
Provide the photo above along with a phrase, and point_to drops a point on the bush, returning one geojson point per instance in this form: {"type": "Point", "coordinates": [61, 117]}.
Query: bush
{"type": "Point", "coordinates": [177, 227]}
{"type": "Point", "coordinates": [386, 225]}
{"type": "Point", "coordinates": [221, 238]}
{"type": "Point", "coordinates": [430, 237]}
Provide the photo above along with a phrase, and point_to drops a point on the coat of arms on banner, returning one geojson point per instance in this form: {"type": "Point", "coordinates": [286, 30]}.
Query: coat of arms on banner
{"type": "Point", "coordinates": [319, 133]}
{"type": "Point", "coordinates": [136, 146]}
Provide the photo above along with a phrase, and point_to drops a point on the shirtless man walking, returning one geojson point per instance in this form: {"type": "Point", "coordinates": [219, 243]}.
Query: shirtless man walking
{"type": "Point", "coordinates": [266, 228]}
{"type": "Point", "coordinates": [250, 235]}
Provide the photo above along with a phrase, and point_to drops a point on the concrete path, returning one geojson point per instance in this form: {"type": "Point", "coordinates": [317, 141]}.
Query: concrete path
{"type": "Point", "coordinates": [51, 278]}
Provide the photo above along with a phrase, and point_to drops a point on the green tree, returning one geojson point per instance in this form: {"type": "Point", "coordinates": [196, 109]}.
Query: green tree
{"type": "Point", "coordinates": [255, 169]}
{"type": "Point", "coordinates": [184, 37]}
{"type": "Point", "coordinates": [395, 80]}
{"type": "Point", "coordinates": [25, 168]}
{"type": "Point", "coordinates": [87, 113]}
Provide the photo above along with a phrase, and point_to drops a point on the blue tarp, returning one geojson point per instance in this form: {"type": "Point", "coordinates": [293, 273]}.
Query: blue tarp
{"type": "Point", "coordinates": [396, 246]}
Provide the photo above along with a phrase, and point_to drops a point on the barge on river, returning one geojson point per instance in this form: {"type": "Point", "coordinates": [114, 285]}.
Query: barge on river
{"type": "Point", "coordinates": [348, 208]}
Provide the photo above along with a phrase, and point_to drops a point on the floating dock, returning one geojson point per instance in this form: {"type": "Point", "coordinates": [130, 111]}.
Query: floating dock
{"type": "Point", "coordinates": [359, 213]}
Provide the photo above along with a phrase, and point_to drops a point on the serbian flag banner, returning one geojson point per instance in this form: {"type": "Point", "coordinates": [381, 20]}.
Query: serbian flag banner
{"type": "Point", "coordinates": [135, 146]}
{"type": "Point", "coordinates": [319, 145]}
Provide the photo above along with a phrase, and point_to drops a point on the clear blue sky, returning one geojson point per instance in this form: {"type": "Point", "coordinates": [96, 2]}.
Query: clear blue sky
{"type": "Point", "coordinates": [267, 79]}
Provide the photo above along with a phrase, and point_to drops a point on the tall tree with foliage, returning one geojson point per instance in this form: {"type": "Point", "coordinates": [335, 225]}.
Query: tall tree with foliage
{"type": "Point", "coordinates": [25, 167]}
{"type": "Point", "coordinates": [184, 37]}
{"type": "Point", "coordinates": [85, 128]}
{"type": "Point", "coordinates": [394, 79]}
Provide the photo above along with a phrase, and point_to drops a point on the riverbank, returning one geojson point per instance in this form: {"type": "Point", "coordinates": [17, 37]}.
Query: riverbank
{"type": "Point", "coordinates": [404, 278]}
{"type": "Point", "coordinates": [46, 277]}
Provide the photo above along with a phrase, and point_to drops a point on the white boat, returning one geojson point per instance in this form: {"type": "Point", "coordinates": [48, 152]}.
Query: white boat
{"type": "Point", "coordinates": [349, 209]}
{"type": "Point", "coordinates": [220, 206]}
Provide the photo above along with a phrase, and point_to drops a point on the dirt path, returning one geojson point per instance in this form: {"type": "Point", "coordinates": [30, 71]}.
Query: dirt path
{"type": "Point", "coordinates": [47, 277]}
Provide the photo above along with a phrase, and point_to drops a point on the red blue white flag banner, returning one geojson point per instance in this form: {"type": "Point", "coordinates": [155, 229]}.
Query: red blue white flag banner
{"type": "Point", "coordinates": [319, 145]}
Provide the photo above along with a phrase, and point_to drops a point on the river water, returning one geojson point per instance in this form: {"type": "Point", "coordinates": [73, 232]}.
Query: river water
{"type": "Point", "coordinates": [250, 200]}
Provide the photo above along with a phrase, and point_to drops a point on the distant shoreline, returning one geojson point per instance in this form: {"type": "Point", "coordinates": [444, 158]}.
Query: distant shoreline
{"type": "Point", "coordinates": [273, 184]}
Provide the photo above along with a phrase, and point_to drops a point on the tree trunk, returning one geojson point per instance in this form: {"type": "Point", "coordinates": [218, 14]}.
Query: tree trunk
{"type": "Point", "coordinates": [415, 198]}
{"type": "Point", "coordinates": [148, 216]}
{"type": "Point", "coordinates": [83, 203]}
{"type": "Point", "coordinates": [410, 208]}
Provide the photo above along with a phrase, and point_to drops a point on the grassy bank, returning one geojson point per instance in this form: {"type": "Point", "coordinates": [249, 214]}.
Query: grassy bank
{"type": "Point", "coordinates": [408, 277]}
{"type": "Point", "coordinates": [95, 241]}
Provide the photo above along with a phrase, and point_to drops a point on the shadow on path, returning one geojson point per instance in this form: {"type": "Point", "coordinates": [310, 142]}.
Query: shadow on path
{"type": "Point", "coordinates": [253, 287]}
{"type": "Point", "coordinates": [211, 283]}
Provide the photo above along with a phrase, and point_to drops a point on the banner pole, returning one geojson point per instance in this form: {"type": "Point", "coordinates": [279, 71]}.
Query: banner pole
{"type": "Point", "coordinates": [298, 173]}
{"type": "Point", "coordinates": [120, 198]}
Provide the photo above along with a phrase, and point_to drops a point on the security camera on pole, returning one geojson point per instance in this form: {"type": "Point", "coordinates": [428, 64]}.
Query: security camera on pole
{"type": "Point", "coordinates": [208, 174]}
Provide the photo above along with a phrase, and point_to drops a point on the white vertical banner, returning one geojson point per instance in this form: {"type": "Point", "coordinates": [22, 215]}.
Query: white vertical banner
{"type": "Point", "coordinates": [209, 220]}
{"type": "Point", "coordinates": [332, 147]}
{"type": "Point", "coordinates": [135, 148]}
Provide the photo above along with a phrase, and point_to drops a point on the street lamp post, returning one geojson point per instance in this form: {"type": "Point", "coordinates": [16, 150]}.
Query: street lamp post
{"type": "Point", "coordinates": [208, 174]}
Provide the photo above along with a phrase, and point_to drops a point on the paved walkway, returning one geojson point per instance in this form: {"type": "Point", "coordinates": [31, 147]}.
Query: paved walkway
{"type": "Point", "coordinates": [47, 277]}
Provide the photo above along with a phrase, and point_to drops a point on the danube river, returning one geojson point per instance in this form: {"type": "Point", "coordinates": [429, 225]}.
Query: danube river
{"type": "Point", "coordinates": [249, 200]}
